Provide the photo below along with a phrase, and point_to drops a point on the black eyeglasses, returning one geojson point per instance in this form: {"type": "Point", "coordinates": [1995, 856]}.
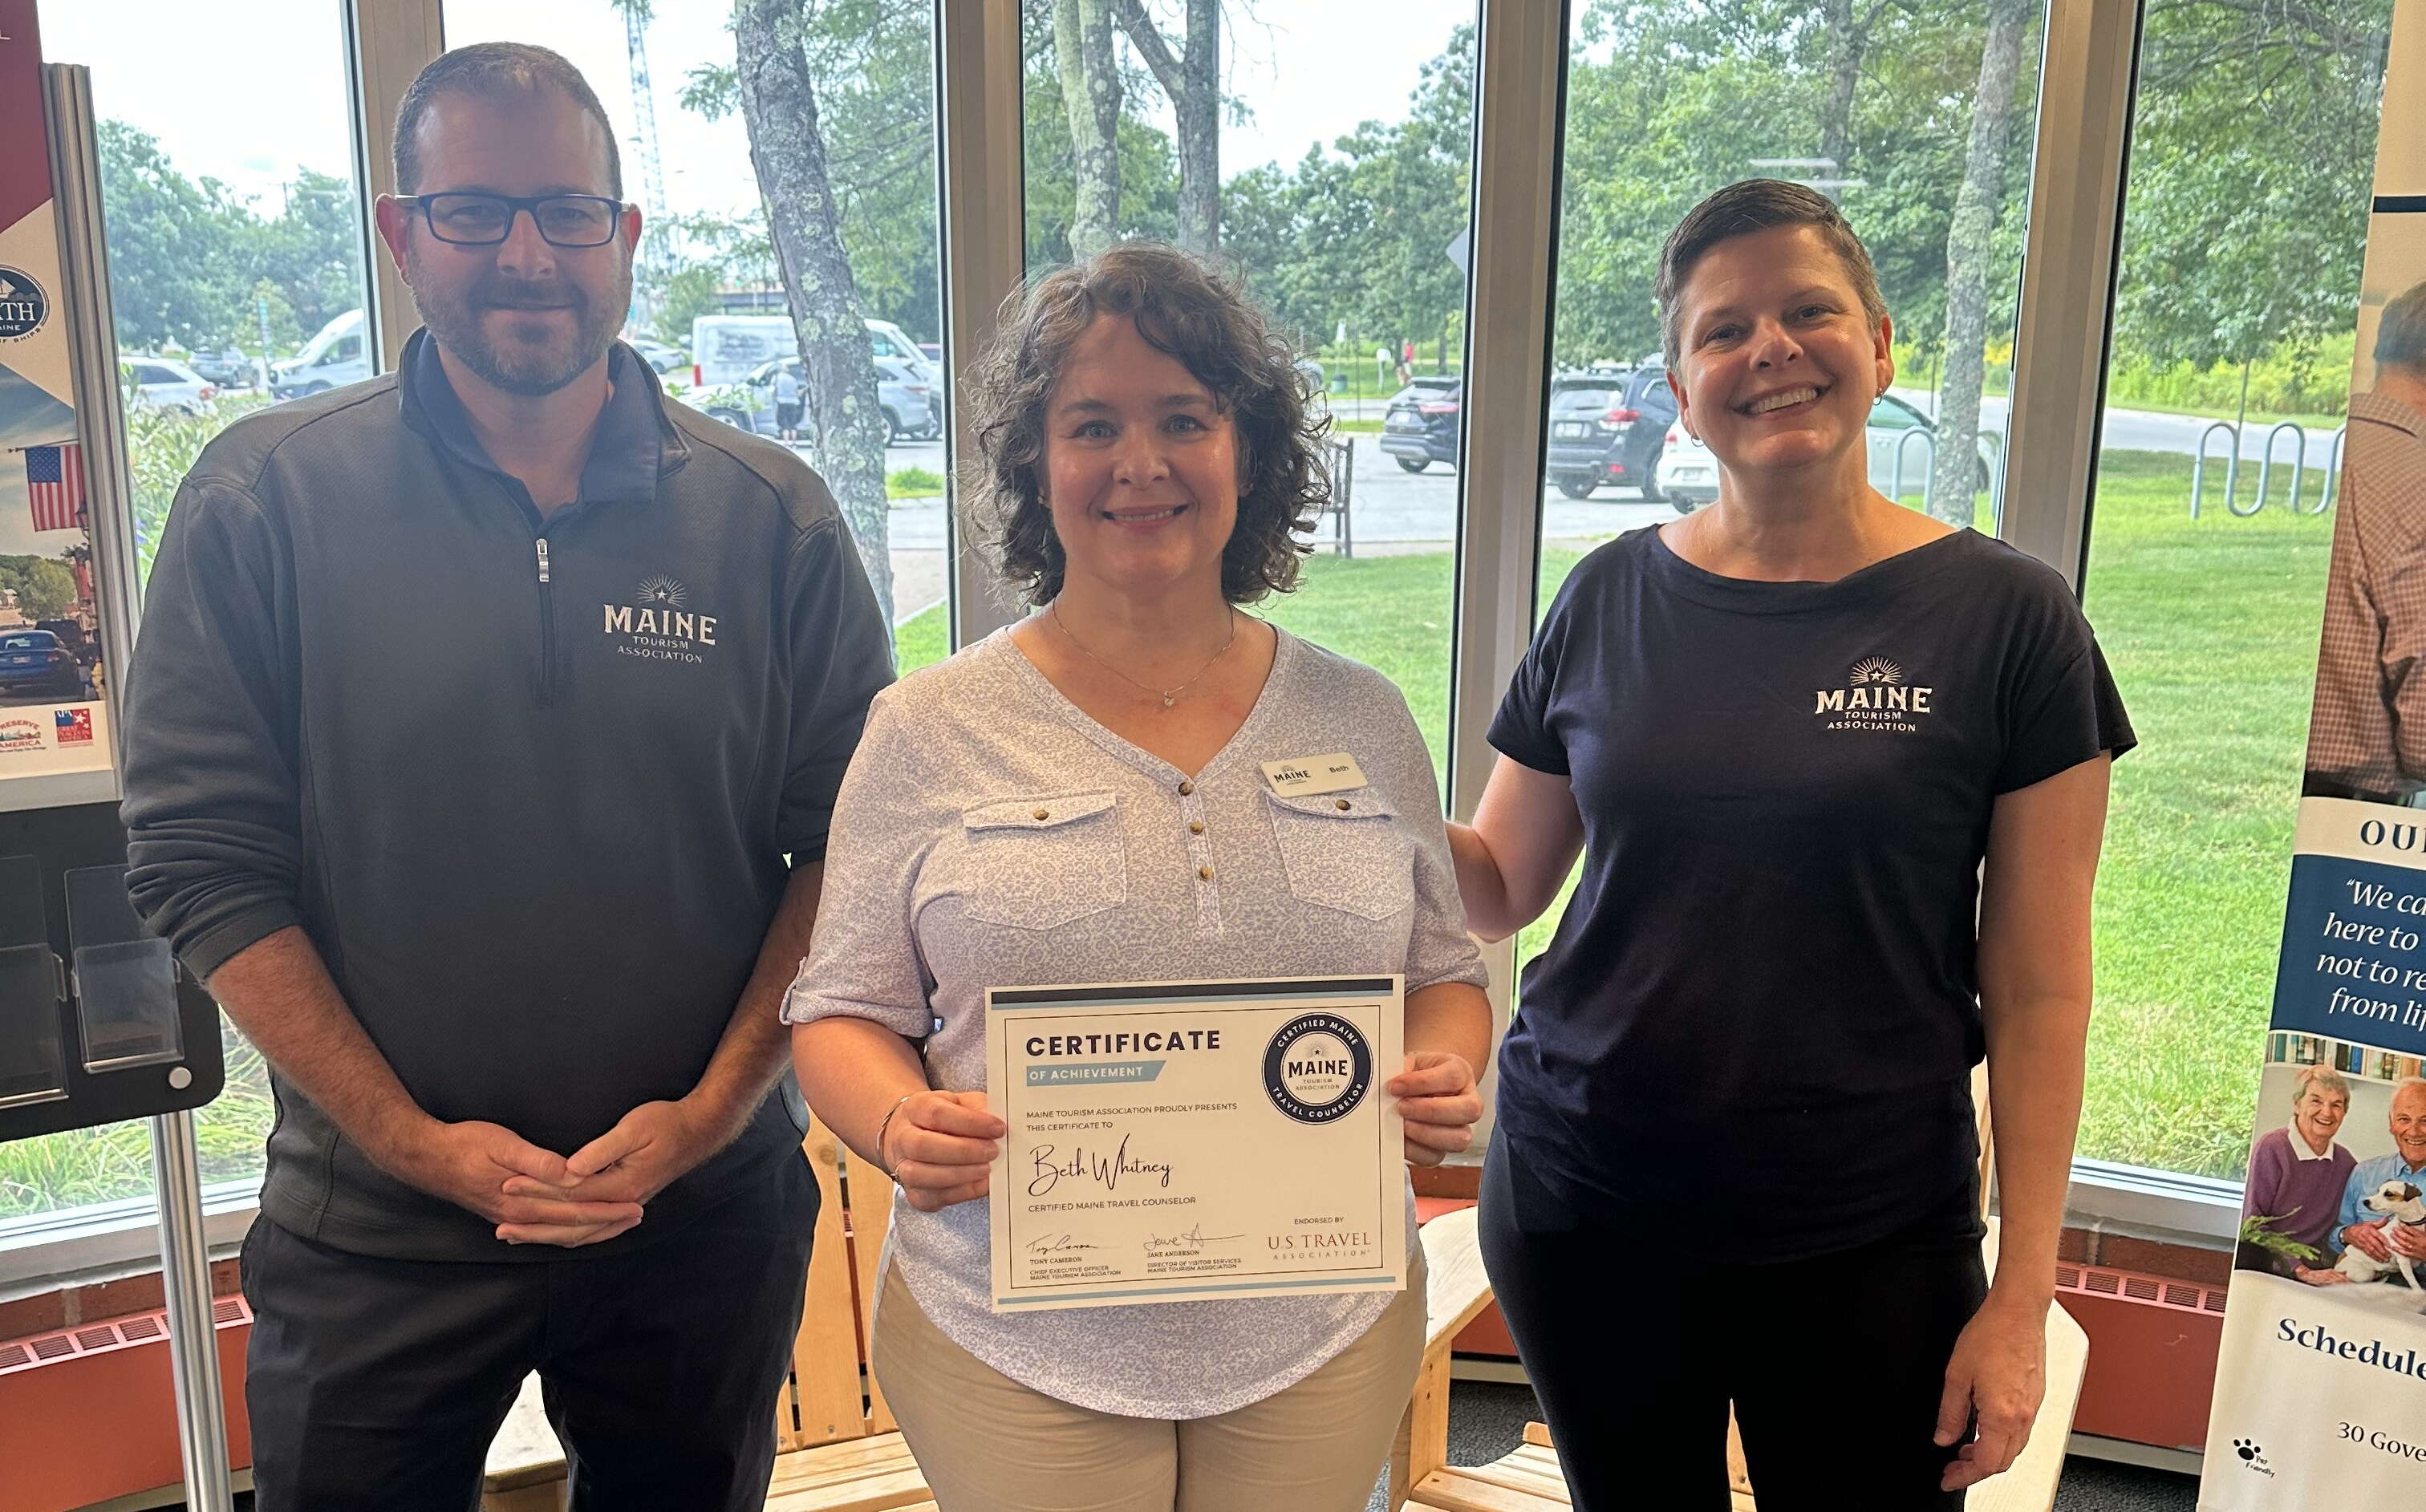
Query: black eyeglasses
{"type": "Point", "coordinates": [473, 219]}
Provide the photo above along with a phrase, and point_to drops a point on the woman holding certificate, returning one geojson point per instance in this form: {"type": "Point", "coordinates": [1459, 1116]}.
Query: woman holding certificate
{"type": "Point", "coordinates": [1137, 783]}
{"type": "Point", "coordinates": [1734, 1132]}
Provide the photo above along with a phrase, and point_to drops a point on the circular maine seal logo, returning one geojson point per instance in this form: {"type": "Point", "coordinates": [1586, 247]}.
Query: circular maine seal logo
{"type": "Point", "coordinates": [1318, 1068]}
{"type": "Point", "coordinates": [23, 306]}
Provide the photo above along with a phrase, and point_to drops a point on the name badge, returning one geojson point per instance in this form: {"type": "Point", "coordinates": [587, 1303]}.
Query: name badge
{"type": "Point", "coordinates": [1304, 776]}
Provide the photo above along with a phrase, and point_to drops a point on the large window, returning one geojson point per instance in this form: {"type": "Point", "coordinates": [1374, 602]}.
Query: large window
{"type": "Point", "coordinates": [2244, 231]}
{"type": "Point", "coordinates": [1917, 119]}
{"type": "Point", "coordinates": [235, 267]}
{"type": "Point", "coordinates": [732, 264]}
{"type": "Point", "coordinates": [1328, 157]}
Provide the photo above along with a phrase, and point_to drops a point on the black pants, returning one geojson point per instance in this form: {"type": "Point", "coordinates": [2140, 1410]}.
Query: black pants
{"type": "Point", "coordinates": [1637, 1343]}
{"type": "Point", "coordinates": [379, 1383]}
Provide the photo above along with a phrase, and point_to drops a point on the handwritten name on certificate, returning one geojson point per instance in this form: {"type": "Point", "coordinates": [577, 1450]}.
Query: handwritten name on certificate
{"type": "Point", "coordinates": [1177, 1141]}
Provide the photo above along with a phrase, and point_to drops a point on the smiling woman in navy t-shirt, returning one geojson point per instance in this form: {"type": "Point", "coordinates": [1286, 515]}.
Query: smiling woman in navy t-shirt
{"type": "Point", "coordinates": [1734, 1159]}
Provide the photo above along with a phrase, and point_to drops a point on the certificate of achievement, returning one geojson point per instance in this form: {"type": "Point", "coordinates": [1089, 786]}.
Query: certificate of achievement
{"type": "Point", "coordinates": [1175, 1141]}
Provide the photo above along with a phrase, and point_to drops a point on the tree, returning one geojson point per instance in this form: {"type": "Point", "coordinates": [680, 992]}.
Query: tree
{"type": "Point", "coordinates": [45, 588]}
{"type": "Point", "coordinates": [1968, 254]}
{"type": "Point", "coordinates": [779, 106]}
{"type": "Point", "coordinates": [1091, 99]}
{"type": "Point", "coordinates": [1191, 79]}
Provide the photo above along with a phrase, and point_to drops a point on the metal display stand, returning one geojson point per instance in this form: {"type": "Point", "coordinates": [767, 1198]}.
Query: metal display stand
{"type": "Point", "coordinates": [97, 1023]}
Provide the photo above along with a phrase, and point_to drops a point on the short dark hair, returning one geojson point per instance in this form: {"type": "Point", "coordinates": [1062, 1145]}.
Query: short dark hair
{"type": "Point", "coordinates": [1202, 317]}
{"type": "Point", "coordinates": [1739, 210]}
{"type": "Point", "coordinates": [489, 70]}
{"type": "Point", "coordinates": [2401, 334]}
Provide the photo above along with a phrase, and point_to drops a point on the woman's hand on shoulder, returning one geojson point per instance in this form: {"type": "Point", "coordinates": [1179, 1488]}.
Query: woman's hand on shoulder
{"type": "Point", "coordinates": [1438, 1097]}
{"type": "Point", "coordinates": [939, 1148]}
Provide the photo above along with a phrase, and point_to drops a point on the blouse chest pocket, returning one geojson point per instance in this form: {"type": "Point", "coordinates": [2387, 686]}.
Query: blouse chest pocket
{"type": "Point", "coordinates": [1038, 863]}
{"type": "Point", "coordinates": [1345, 851]}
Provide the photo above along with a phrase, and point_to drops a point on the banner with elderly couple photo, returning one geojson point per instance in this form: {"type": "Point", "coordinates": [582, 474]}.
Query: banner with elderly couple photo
{"type": "Point", "coordinates": [2320, 1390]}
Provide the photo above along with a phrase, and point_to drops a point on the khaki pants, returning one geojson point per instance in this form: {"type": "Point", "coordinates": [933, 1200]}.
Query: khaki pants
{"type": "Point", "coordinates": [988, 1443]}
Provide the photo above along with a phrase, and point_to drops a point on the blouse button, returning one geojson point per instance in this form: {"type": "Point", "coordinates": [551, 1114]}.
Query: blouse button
{"type": "Point", "coordinates": [1342, 803]}
{"type": "Point", "coordinates": [1205, 873]}
{"type": "Point", "coordinates": [1186, 787]}
{"type": "Point", "coordinates": [1043, 815]}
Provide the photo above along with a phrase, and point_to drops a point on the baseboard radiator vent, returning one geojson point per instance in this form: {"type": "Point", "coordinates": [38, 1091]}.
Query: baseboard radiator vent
{"type": "Point", "coordinates": [89, 1414]}
{"type": "Point", "coordinates": [2152, 1348]}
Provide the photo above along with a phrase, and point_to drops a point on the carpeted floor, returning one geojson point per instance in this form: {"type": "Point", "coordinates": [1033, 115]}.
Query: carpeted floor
{"type": "Point", "coordinates": [1486, 1421]}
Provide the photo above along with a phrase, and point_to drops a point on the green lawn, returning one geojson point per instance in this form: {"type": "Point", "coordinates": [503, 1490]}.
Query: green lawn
{"type": "Point", "coordinates": [2210, 626]}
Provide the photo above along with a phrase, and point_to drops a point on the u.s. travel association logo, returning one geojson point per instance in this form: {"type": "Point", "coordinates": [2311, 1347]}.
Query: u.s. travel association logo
{"type": "Point", "coordinates": [1877, 696]}
{"type": "Point", "coordinates": [23, 305]}
{"type": "Point", "coordinates": [659, 624]}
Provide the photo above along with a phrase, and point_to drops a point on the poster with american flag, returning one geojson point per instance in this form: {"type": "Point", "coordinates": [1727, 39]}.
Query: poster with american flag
{"type": "Point", "coordinates": [55, 482]}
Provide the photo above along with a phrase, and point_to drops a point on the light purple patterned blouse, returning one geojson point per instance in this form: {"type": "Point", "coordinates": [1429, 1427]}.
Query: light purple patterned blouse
{"type": "Point", "coordinates": [941, 883]}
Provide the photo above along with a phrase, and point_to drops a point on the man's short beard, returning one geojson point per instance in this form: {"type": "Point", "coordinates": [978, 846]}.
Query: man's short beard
{"type": "Point", "coordinates": [457, 326]}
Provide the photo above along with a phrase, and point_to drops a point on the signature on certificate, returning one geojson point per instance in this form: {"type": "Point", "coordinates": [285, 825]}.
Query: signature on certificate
{"type": "Point", "coordinates": [1106, 1170]}
{"type": "Point", "coordinates": [1057, 1244]}
{"type": "Point", "coordinates": [1195, 1238]}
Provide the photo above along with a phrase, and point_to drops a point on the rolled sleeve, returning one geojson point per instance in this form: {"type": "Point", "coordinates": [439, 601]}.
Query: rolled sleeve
{"type": "Point", "coordinates": [864, 960]}
{"type": "Point", "coordinates": [215, 850]}
{"type": "Point", "coordinates": [842, 657]}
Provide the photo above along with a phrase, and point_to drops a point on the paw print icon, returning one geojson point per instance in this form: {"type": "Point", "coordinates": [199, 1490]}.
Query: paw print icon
{"type": "Point", "coordinates": [2247, 1449]}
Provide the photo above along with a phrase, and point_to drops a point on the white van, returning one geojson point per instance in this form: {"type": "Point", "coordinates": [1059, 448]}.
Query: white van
{"type": "Point", "coordinates": [728, 348]}
{"type": "Point", "coordinates": [338, 356]}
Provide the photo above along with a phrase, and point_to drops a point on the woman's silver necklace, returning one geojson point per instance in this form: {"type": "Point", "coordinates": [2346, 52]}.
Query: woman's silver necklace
{"type": "Point", "coordinates": [1168, 696]}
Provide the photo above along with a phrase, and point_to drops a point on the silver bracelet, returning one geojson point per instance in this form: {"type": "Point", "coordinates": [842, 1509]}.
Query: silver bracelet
{"type": "Point", "coordinates": [887, 1123]}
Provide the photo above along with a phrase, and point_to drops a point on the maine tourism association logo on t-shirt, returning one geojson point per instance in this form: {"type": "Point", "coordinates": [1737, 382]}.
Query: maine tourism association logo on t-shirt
{"type": "Point", "coordinates": [1876, 696]}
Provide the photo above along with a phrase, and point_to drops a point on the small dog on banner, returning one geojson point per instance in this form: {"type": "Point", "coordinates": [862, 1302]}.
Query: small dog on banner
{"type": "Point", "coordinates": [2403, 1207]}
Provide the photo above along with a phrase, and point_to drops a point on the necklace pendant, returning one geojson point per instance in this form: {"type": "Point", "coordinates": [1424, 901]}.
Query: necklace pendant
{"type": "Point", "coordinates": [1166, 701]}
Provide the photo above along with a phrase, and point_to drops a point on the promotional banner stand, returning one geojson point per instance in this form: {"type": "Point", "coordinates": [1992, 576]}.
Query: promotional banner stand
{"type": "Point", "coordinates": [193, 1336]}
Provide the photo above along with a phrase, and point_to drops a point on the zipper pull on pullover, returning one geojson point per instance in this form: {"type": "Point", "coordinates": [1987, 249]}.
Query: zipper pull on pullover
{"type": "Point", "coordinates": [543, 558]}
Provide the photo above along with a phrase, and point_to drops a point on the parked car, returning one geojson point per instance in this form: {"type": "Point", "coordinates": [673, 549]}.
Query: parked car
{"type": "Point", "coordinates": [909, 402]}
{"type": "Point", "coordinates": [1689, 475]}
{"type": "Point", "coordinates": [33, 661]}
{"type": "Point", "coordinates": [1606, 427]}
{"type": "Point", "coordinates": [334, 356]}
{"type": "Point", "coordinates": [1419, 427]}
{"type": "Point", "coordinates": [731, 348]}
{"type": "Point", "coordinates": [660, 357]}
{"type": "Point", "coordinates": [165, 383]}
{"type": "Point", "coordinates": [933, 352]}
{"type": "Point", "coordinates": [228, 368]}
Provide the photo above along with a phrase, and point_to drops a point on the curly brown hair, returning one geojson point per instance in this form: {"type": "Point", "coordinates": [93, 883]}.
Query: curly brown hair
{"type": "Point", "coordinates": [1200, 316]}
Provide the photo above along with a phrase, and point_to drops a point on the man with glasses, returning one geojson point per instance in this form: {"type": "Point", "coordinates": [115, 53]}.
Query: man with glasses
{"type": "Point", "coordinates": [482, 738]}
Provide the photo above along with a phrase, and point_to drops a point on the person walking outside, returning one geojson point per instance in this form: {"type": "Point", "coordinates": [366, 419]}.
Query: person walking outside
{"type": "Point", "coordinates": [483, 734]}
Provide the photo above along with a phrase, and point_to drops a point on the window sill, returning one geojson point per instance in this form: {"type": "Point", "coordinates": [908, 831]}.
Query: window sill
{"type": "Point", "coordinates": [2167, 1206]}
{"type": "Point", "coordinates": [76, 1247]}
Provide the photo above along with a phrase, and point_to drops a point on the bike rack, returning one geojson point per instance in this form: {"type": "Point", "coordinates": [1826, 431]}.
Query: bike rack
{"type": "Point", "coordinates": [2299, 461]}
{"type": "Point", "coordinates": [1929, 474]}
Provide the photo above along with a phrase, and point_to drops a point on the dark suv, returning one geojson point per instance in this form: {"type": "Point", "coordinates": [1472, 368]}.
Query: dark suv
{"type": "Point", "coordinates": [1420, 426]}
{"type": "Point", "coordinates": [1606, 427]}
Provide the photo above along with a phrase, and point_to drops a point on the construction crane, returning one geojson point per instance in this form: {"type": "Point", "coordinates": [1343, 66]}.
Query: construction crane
{"type": "Point", "coordinates": [657, 248]}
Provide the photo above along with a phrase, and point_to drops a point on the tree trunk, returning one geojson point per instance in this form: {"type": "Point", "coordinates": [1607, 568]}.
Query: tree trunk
{"type": "Point", "coordinates": [1968, 253]}
{"type": "Point", "coordinates": [1090, 96]}
{"type": "Point", "coordinates": [839, 408]}
{"type": "Point", "coordinates": [1846, 44]}
{"type": "Point", "coordinates": [1192, 80]}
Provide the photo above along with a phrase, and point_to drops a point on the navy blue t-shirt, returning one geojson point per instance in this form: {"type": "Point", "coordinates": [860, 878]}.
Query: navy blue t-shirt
{"type": "Point", "coordinates": [1765, 981]}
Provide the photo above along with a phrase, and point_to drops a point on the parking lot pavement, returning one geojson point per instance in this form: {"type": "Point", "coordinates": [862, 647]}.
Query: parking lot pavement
{"type": "Point", "coordinates": [1393, 508]}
